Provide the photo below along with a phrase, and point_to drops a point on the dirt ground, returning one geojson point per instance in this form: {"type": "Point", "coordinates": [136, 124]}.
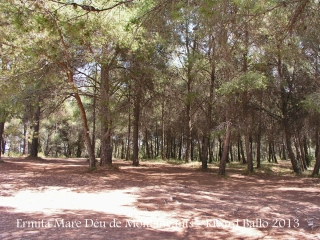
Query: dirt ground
{"type": "Point", "coordinates": [60, 199]}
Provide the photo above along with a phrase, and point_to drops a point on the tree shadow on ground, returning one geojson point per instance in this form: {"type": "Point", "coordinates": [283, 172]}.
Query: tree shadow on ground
{"type": "Point", "coordinates": [192, 203]}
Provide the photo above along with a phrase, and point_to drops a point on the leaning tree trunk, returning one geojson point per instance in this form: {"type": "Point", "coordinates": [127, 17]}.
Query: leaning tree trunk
{"type": "Point", "coordinates": [223, 160]}
{"type": "Point", "coordinates": [90, 150]}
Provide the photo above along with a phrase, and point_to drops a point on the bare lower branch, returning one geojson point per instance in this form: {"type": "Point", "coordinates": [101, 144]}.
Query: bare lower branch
{"type": "Point", "coordinates": [90, 8]}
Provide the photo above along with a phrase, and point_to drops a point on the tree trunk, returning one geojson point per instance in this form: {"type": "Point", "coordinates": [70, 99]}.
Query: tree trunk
{"type": "Point", "coordinates": [25, 150]}
{"type": "Point", "coordinates": [189, 134]}
{"type": "Point", "coordinates": [204, 154]}
{"type": "Point", "coordinates": [90, 150]}
{"type": "Point", "coordinates": [129, 137]}
{"type": "Point", "coordinates": [180, 146]}
{"type": "Point", "coordinates": [147, 145]}
{"type": "Point", "coordinates": [35, 137]}
{"type": "Point", "coordinates": [248, 150]}
{"type": "Point", "coordinates": [295, 164]}
{"type": "Point", "coordinates": [223, 161]}
{"type": "Point", "coordinates": [156, 147]}
{"type": "Point", "coordinates": [244, 161]}
{"type": "Point", "coordinates": [105, 119]}
{"type": "Point", "coordinates": [306, 153]}
{"type": "Point", "coordinates": [220, 149]}
{"type": "Point", "coordinates": [136, 120]}
{"type": "Point", "coordinates": [259, 149]}
{"type": "Point", "coordinates": [1, 139]}
{"type": "Point", "coordinates": [211, 149]}
{"type": "Point", "coordinates": [317, 164]}
{"type": "Point", "coordinates": [284, 151]}
{"type": "Point", "coordinates": [79, 146]}
{"type": "Point", "coordinates": [274, 153]}
{"type": "Point", "coordinates": [163, 154]}
{"type": "Point", "coordinates": [122, 149]}
{"type": "Point", "coordinates": [94, 115]}
{"type": "Point", "coordinates": [206, 137]}
{"type": "Point", "coordinates": [231, 152]}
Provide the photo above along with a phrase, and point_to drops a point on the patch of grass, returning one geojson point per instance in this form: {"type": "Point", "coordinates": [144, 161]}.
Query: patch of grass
{"type": "Point", "coordinates": [266, 169]}
{"type": "Point", "coordinates": [175, 161]}
{"type": "Point", "coordinates": [247, 172]}
{"type": "Point", "coordinates": [226, 176]}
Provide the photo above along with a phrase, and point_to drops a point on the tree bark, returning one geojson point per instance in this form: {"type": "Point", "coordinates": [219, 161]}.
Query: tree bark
{"type": "Point", "coordinates": [106, 146]}
{"type": "Point", "coordinates": [317, 164]}
{"type": "Point", "coordinates": [223, 161]}
{"type": "Point", "coordinates": [259, 149]}
{"type": "Point", "coordinates": [189, 133]}
{"type": "Point", "coordinates": [244, 161]}
{"type": "Point", "coordinates": [204, 153]}
{"type": "Point", "coordinates": [1, 139]}
{"type": "Point", "coordinates": [248, 151]}
{"type": "Point", "coordinates": [163, 153]}
{"type": "Point", "coordinates": [295, 164]}
{"type": "Point", "coordinates": [92, 160]}
{"type": "Point", "coordinates": [136, 120]}
{"type": "Point", "coordinates": [35, 136]}
{"type": "Point", "coordinates": [25, 150]}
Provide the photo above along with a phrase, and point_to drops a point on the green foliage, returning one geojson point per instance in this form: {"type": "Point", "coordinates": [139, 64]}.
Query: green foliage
{"type": "Point", "coordinates": [246, 82]}
{"type": "Point", "coordinates": [312, 103]}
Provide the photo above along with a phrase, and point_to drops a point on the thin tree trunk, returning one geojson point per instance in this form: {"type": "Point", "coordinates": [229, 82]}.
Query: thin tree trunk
{"type": "Point", "coordinates": [92, 160]}
{"type": "Point", "coordinates": [189, 134]}
{"type": "Point", "coordinates": [284, 151]}
{"type": "Point", "coordinates": [244, 161]}
{"type": "Point", "coordinates": [231, 152]}
{"type": "Point", "coordinates": [317, 164]}
{"type": "Point", "coordinates": [147, 144]}
{"type": "Point", "coordinates": [274, 155]}
{"type": "Point", "coordinates": [223, 161]}
{"type": "Point", "coordinates": [35, 137]}
{"type": "Point", "coordinates": [79, 146]}
{"type": "Point", "coordinates": [1, 139]}
{"type": "Point", "coordinates": [163, 154]}
{"type": "Point", "coordinates": [239, 151]}
{"type": "Point", "coordinates": [106, 146]}
{"type": "Point", "coordinates": [295, 164]}
{"type": "Point", "coordinates": [93, 143]}
{"type": "Point", "coordinates": [220, 149]}
{"type": "Point", "coordinates": [248, 150]}
{"type": "Point", "coordinates": [303, 154]}
{"type": "Point", "coordinates": [122, 149]}
{"type": "Point", "coordinates": [180, 146]}
{"type": "Point", "coordinates": [136, 120]}
{"type": "Point", "coordinates": [259, 149]}
{"type": "Point", "coordinates": [211, 149]}
{"type": "Point", "coordinates": [129, 137]}
{"type": "Point", "coordinates": [204, 154]}
{"type": "Point", "coordinates": [306, 153]}
{"type": "Point", "coordinates": [25, 150]}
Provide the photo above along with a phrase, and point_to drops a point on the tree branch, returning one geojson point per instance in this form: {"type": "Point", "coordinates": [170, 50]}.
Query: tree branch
{"type": "Point", "coordinates": [90, 8]}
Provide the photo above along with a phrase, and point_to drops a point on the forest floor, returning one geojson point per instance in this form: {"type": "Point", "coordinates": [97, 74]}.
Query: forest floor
{"type": "Point", "coordinates": [61, 199]}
